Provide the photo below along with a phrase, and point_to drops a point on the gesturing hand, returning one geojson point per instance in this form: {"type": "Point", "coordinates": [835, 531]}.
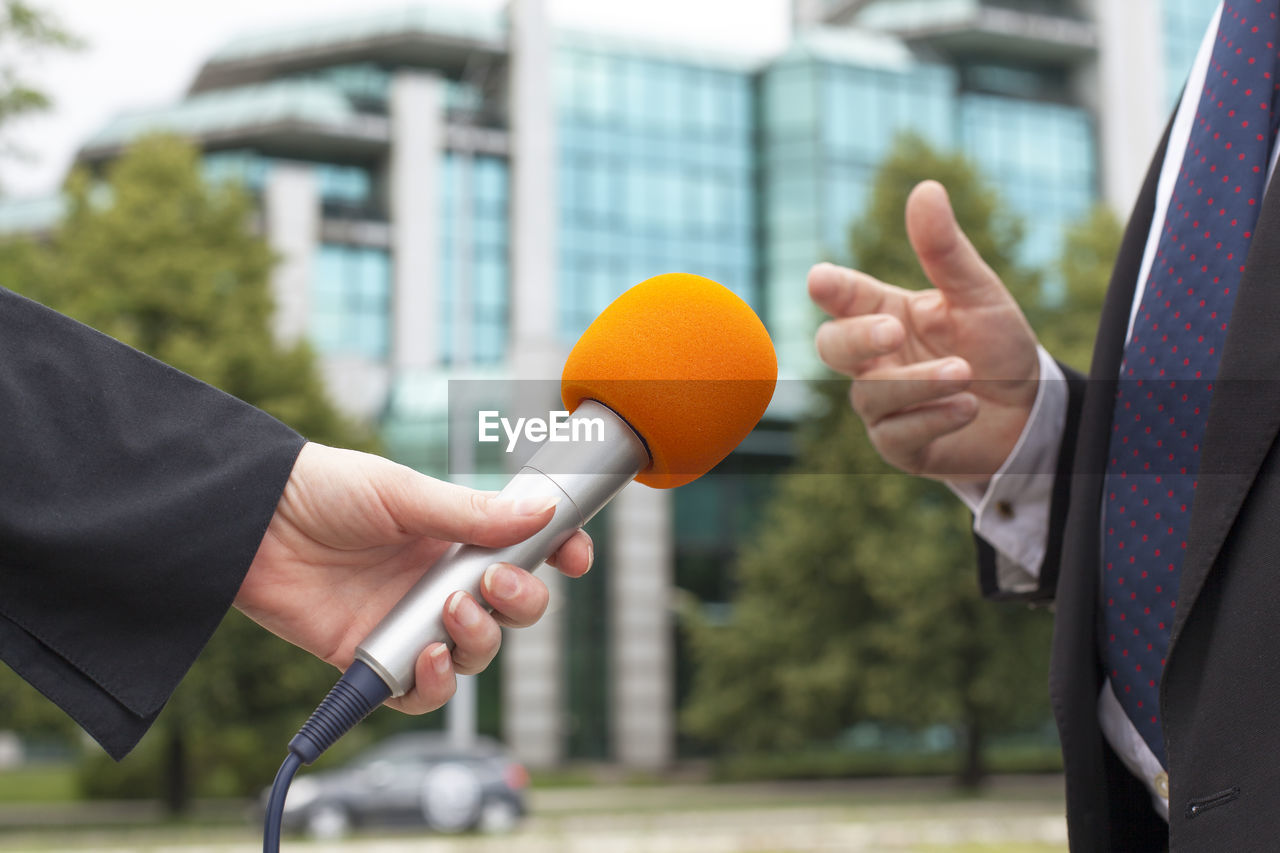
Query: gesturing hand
{"type": "Point", "coordinates": [944, 379]}
{"type": "Point", "coordinates": [353, 532]}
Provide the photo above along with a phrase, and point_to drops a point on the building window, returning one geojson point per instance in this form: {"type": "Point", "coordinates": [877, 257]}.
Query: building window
{"type": "Point", "coordinates": [656, 176]}
{"type": "Point", "coordinates": [1184, 25]}
{"type": "Point", "coordinates": [344, 187]}
{"type": "Point", "coordinates": [475, 276]}
{"type": "Point", "coordinates": [350, 301]}
{"type": "Point", "coordinates": [1041, 156]}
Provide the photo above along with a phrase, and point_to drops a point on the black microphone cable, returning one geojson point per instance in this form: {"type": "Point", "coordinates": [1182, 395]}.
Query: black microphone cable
{"type": "Point", "coordinates": [353, 698]}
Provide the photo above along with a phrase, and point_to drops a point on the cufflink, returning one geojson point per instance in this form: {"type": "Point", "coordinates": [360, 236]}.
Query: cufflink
{"type": "Point", "coordinates": [1161, 783]}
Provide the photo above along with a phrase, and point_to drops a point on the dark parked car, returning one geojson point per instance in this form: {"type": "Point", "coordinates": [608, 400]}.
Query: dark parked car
{"type": "Point", "coordinates": [412, 779]}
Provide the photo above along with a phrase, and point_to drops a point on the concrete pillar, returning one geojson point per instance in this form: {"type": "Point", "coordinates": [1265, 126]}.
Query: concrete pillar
{"type": "Point", "coordinates": [533, 723]}
{"type": "Point", "coordinates": [291, 208]}
{"type": "Point", "coordinates": [417, 148]}
{"type": "Point", "coordinates": [533, 668]}
{"type": "Point", "coordinates": [641, 671]}
{"type": "Point", "coordinates": [535, 208]}
{"type": "Point", "coordinates": [1131, 95]}
{"type": "Point", "coordinates": [806, 14]}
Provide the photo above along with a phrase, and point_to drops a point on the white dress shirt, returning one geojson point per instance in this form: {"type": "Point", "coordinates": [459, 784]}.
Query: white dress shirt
{"type": "Point", "coordinates": [1012, 513]}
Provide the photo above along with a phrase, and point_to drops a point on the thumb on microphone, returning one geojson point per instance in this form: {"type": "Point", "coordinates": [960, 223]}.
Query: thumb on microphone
{"type": "Point", "coordinates": [346, 499]}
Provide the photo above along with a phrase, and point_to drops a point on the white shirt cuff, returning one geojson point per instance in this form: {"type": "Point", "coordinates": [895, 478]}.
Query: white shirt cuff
{"type": "Point", "coordinates": [1012, 511]}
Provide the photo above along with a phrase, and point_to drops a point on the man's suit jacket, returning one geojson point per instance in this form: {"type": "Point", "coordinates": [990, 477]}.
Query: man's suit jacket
{"type": "Point", "coordinates": [1220, 693]}
{"type": "Point", "coordinates": [132, 501]}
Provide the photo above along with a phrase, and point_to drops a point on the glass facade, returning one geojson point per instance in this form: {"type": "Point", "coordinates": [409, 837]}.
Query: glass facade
{"type": "Point", "coordinates": [351, 301]}
{"type": "Point", "coordinates": [825, 127]}
{"type": "Point", "coordinates": [364, 84]}
{"type": "Point", "coordinates": [350, 297]}
{"type": "Point", "coordinates": [1184, 23]}
{"type": "Point", "coordinates": [246, 168]}
{"type": "Point", "coordinates": [656, 175]}
{"type": "Point", "coordinates": [745, 176]}
{"type": "Point", "coordinates": [828, 124]}
{"type": "Point", "coordinates": [475, 277]}
{"type": "Point", "coordinates": [1042, 157]}
{"type": "Point", "coordinates": [863, 109]}
{"type": "Point", "coordinates": [342, 188]}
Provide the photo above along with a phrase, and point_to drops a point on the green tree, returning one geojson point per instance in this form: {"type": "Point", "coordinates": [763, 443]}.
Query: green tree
{"type": "Point", "coordinates": [159, 260]}
{"type": "Point", "coordinates": [25, 31]}
{"type": "Point", "coordinates": [165, 263]}
{"type": "Point", "coordinates": [858, 599]}
{"type": "Point", "coordinates": [1089, 252]}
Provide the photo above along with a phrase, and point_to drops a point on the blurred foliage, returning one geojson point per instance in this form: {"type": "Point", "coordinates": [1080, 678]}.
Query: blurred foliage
{"type": "Point", "coordinates": [25, 31]}
{"type": "Point", "coordinates": [1089, 252]}
{"type": "Point", "coordinates": [24, 710]}
{"type": "Point", "coordinates": [826, 763]}
{"type": "Point", "coordinates": [878, 241]}
{"type": "Point", "coordinates": [246, 695]}
{"type": "Point", "coordinates": [858, 600]}
{"type": "Point", "coordinates": [158, 259]}
{"type": "Point", "coordinates": [38, 783]}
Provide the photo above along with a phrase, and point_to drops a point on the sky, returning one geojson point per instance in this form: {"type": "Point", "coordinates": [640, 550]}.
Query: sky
{"type": "Point", "coordinates": [142, 53]}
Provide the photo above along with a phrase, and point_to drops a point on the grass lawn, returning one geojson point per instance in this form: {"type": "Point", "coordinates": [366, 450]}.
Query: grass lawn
{"type": "Point", "coordinates": [40, 783]}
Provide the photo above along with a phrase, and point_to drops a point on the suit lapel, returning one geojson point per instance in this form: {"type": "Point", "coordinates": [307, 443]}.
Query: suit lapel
{"type": "Point", "coordinates": [1244, 416]}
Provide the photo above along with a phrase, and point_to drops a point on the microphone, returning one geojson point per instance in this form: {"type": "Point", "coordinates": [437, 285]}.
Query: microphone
{"type": "Point", "coordinates": [678, 369]}
{"type": "Point", "coordinates": [662, 385]}
{"type": "Point", "coordinates": [582, 476]}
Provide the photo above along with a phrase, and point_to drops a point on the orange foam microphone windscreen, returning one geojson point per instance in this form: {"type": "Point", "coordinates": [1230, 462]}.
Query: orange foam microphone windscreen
{"type": "Point", "coordinates": [686, 363]}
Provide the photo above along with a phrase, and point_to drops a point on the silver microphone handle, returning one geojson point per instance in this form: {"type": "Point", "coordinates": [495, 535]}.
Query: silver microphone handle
{"type": "Point", "coordinates": [582, 475]}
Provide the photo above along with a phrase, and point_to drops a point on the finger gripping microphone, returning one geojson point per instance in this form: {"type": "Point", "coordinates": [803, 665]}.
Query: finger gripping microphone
{"type": "Point", "coordinates": [664, 384]}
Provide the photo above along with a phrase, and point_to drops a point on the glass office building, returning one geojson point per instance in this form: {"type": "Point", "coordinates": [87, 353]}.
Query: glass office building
{"type": "Point", "coordinates": [656, 169]}
{"type": "Point", "coordinates": [1183, 23]}
{"type": "Point", "coordinates": [474, 274]}
{"type": "Point", "coordinates": [830, 108]}
{"type": "Point", "coordinates": [397, 157]}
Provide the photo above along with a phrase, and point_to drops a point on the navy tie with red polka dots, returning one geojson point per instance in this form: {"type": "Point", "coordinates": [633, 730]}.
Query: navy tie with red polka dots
{"type": "Point", "coordinates": [1172, 355]}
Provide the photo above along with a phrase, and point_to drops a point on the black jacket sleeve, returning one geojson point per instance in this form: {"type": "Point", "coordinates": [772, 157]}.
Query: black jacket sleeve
{"type": "Point", "coordinates": [132, 501]}
{"type": "Point", "coordinates": [1060, 499]}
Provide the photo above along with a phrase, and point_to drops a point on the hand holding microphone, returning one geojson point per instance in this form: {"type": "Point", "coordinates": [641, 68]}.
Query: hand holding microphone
{"type": "Point", "coordinates": [677, 371]}
{"type": "Point", "coordinates": [349, 537]}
